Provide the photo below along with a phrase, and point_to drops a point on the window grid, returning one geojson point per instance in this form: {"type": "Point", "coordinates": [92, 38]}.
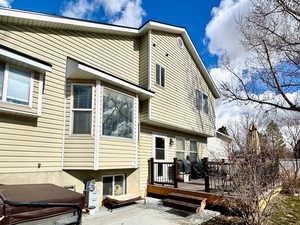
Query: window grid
{"type": "Point", "coordinates": [90, 109]}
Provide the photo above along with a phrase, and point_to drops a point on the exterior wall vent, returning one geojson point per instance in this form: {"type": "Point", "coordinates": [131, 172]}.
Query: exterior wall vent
{"type": "Point", "coordinates": [180, 42]}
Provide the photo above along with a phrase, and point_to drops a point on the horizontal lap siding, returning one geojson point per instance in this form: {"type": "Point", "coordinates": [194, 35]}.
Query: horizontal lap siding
{"type": "Point", "coordinates": [117, 153]}
{"type": "Point", "coordinates": [175, 103]}
{"type": "Point", "coordinates": [145, 153]}
{"type": "Point", "coordinates": [144, 61]}
{"type": "Point", "coordinates": [41, 140]}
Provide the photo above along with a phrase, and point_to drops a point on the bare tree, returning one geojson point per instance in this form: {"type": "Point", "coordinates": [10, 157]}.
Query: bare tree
{"type": "Point", "coordinates": [290, 168]}
{"type": "Point", "coordinates": [271, 36]}
{"type": "Point", "coordinates": [254, 177]}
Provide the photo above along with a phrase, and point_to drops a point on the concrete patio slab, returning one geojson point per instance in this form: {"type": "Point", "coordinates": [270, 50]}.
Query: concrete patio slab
{"type": "Point", "coordinates": [150, 214]}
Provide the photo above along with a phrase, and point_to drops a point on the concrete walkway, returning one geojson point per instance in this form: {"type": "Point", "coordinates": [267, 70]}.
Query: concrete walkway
{"type": "Point", "coordinates": [153, 213]}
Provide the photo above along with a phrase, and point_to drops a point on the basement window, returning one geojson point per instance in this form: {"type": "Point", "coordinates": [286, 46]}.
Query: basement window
{"type": "Point", "coordinates": [114, 185]}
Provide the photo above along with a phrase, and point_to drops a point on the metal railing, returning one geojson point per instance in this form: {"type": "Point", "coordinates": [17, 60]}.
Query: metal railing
{"type": "Point", "coordinates": [164, 173]}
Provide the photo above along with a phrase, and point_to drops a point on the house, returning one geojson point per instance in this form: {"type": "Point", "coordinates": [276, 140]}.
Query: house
{"type": "Point", "coordinates": [219, 146]}
{"type": "Point", "coordinates": [83, 100]}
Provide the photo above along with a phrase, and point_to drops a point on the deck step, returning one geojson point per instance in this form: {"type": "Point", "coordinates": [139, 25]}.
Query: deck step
{"type": "Point", "coordinates": [183, 205]}
{"type": "Point", "coordinates": [187, 198]}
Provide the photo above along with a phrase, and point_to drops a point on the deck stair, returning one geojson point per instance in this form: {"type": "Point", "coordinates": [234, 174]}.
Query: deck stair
{"type": "Point", "coordinates": [185, 202]}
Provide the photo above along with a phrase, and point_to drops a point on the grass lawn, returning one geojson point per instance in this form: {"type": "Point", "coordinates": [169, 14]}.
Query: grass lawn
{"type": "Point", "coordinates": [286, 212]}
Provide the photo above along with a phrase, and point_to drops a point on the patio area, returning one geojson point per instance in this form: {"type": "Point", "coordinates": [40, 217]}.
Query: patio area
{"type": "Point", "coordinates": [151, 213]}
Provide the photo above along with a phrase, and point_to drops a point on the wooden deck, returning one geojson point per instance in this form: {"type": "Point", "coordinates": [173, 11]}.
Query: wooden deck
{"type": "Point", "coordinates": [193, 185]}
{"type": "Point", "coordinates": [192, 190]}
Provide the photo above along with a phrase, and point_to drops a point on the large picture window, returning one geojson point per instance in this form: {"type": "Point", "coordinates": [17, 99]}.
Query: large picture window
{"type": "Point", "coordinates": [15, 84]}
{"type": "Point", "coordinates": [82, 108]}
{"type": "Point", "coordinates": [118, 111]}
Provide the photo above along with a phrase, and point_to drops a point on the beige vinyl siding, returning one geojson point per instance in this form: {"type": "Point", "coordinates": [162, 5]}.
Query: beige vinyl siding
{"type": "Point", "coordinates": [146, 147]}
{"type": "Point", "coordinates": [144, 107]}
{"type": "Point", "coordinates": [79, 149]}
{"type": "Point", "coordinates": [145, 153]}
{"type": "Point", "coordinates": [144, 46]}
{"type": "Point", "coordinates": [41, 140]}
{"type": "Point", "coordinates": [117, 153]}
{"type": "Point", "coordinates": [174, 104]}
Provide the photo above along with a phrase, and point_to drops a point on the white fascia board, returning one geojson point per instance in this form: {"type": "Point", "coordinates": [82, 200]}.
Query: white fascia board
{"type": "Point", "coordinates": [194, 51]}
{"type": "Point", "coordinates": [63, 20]}
{"type": "Point", "coordinates": [75, 67]}
{"type": "Point", "coordinates": [112, 79]}
{"type": "Point", "coordinates": [15, 57]}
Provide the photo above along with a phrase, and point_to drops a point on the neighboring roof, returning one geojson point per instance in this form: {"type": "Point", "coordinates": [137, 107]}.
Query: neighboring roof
{"type": "Point", "coordinates": [53, 21]}
{"type": "Point", "coordinates": [224, 135]}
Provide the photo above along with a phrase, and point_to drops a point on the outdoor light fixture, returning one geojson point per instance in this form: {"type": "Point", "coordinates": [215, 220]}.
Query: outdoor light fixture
{"type": "Point", "coordinates": [171, 141]}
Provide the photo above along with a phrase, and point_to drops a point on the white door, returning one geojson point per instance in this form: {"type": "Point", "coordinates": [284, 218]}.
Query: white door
{"type": "Point", "coordinates": [160, 155]}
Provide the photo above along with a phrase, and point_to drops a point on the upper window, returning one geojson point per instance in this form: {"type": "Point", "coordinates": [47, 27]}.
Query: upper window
{"type": "Point", "coordinates": [201, 101]}
{"type": "Point", "coordinates": [160, 75]}
{"type": "Point", "coordinates": [118, 111]}
{"type": "Point", "coordinates": [82, 108]}
{"type": "Point", "coordinates": [15, 84]}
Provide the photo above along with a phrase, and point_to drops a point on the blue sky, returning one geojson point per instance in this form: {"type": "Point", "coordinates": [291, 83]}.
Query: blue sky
{"type": "Point", "coordinates": [194, 16]}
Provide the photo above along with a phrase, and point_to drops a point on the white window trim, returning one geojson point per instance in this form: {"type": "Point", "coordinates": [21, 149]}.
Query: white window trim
{"type": "Point", "coordinates": [154, 147]}
{"type": "Point", "coordinates": [159, 85]}
{"type": "Point", "coordinates": [202, 102]}
{"type": "Point", "coordinates": [84, 110]}
{"type": "Point", "coordinates": [5, 86]}
{"type": "Point", "coordinates": [134, 115]}
{"type": "Point", "coordinates": [113, 182]}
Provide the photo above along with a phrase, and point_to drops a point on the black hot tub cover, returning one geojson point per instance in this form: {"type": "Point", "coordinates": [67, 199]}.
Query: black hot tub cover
{"type": "Point", "coordinates": [34, 193]}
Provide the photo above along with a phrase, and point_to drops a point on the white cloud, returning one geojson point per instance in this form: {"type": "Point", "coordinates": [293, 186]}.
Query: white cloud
{"type": "Point", "coordinates": [229, 112]}
{"type": "Point", "coordinates": [132, 15]}
{"type": "Point", "coordinates": [82, 9]}
{"type": "Point", "coordinates": [120, 12]}
{"type": "Point", "coordinates": [222, 31]}
{"type": "Point", "coordinates": [6, 3]}
{"type": "Point", "coordinates": [224, 37]}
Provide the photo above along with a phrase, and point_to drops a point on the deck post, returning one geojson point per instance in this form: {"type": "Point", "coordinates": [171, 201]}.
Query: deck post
{"type": "Point", "coordinates": [151, 170]}
{"type": "Point", "coordinates": [206, 174]}
{"type": "Point", "coordinates": [175, 173]}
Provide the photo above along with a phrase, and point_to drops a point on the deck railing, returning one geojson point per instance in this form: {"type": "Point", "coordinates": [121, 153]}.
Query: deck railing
{"type": "Point", "coordinates": [164, 173]}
